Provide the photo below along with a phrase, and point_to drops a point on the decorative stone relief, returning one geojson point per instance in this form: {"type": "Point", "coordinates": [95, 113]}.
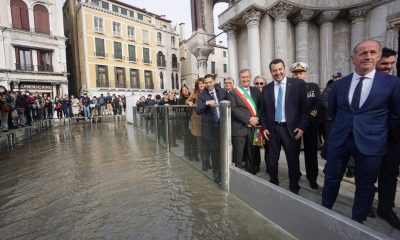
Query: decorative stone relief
{"type": "Point", "coordinates": [359, 13]}
{"type": "Point", "coordinates": [230, 30]}
{"type": "Point", "coordinates": [327, 16]}
{"type": "Point", "coordinates": [304, 15]}
{"type": "Point", "coordinates": [280, 11]}
{"type": "Point", "coordinates": [201, 52]}
{"type": "Point", "coordinates": [252, 17]}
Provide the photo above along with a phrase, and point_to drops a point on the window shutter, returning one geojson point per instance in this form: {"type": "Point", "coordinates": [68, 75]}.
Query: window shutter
{"type": "Point", "coordinates": [97, 76]}
{"type": "Point", "coordinates": [16, 16]}
{"type": "Point", "coordinates": [25, 19]}
{"type": "Point", "coordinates": [108, 82]}
{"type": "Point", "coordinates": [124, 75]}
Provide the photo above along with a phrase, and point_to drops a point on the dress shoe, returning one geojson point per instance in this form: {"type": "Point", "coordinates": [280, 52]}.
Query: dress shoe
{"type": "Point", "coordinates": [349, 173]}
{"type": "Point", "coordinates": [390, 217]}
{"type": "Point", "coordinates": [294, 190]}
{"type": "Point", "coordinates": [257, 169]}
{"type": "Point", "coordinates": [371, 213]}
{"type": "Point", "coordinates": [314, 185]}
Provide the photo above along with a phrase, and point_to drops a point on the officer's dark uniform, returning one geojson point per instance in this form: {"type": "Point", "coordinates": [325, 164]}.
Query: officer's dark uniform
{"type": "Point", "coordinates": [310, 136]}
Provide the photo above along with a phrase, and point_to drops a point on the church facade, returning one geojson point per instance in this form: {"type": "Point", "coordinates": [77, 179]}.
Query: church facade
{"type": "Point", "coordinates": [321, 33]}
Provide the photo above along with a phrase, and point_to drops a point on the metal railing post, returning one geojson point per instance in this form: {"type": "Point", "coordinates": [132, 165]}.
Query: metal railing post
{"type": "Point", "coordinates": [156, 124]}
{"type": "Point", "coordinates": [134, 120]}
{"type": "Point", "coordinates": [167, 108]}
{"type": "Point", "coordinates": [225, 142]}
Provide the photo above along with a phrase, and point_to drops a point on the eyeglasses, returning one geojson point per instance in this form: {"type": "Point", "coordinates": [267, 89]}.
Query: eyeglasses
{"type": "Point", "coordinates": [259, 83]}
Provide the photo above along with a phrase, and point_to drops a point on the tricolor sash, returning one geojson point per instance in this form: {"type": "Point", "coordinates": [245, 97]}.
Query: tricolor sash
{"type": "Point", "coordinates": [247, 99]}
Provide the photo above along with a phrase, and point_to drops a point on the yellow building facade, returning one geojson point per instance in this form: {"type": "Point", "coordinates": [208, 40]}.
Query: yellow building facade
{"type": "Point", "coordinates": [114, 47]}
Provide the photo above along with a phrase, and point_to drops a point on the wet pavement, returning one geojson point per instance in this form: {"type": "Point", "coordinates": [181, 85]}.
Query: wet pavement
{"type": "Point", "coordinates": [109, 181]}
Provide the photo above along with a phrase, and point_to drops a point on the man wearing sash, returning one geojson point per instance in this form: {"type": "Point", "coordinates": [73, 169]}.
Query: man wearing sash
{"type": "Point", "coordinates": [245, 102]}
{"type": "Point", "coordinates": [284, 117]}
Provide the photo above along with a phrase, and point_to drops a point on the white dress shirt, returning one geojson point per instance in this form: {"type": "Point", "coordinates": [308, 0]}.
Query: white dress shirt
{"type": "Point", "coordinates": [276, 89]}
{"type": "Point", "coordinates": [366, 87]}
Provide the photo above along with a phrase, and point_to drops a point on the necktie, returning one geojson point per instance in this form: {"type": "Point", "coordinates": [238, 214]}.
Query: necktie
{"type": "Point", "coordinates": [355, 102]}
{"type": "Point", "coordinates": [216, 101]}
{"type": "Point", "coordinates": [279, 104]}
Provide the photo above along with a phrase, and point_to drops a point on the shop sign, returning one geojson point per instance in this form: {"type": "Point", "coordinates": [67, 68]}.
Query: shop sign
{"type": "Point", "coordinates": [33, 86]}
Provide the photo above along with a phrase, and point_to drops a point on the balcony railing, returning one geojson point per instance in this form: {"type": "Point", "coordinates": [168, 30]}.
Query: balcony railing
{"type": "Point", "coordinates": [161, 64]}
{"type": "Point", "coordinates": [175, 65]}
{"type": "Point", "coordinates": [24, 67]}
{"type": "Point", "coordinates": [45, 68]}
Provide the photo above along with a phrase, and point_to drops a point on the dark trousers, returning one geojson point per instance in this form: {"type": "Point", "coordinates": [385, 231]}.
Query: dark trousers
{"type": "Point", "coordinates": [257, 155]}
{"type": "Point", "coordinates": [243, 149]}
{"type": "Point", "coordinates": [365, 172]}
{"type": "Point", "coordinates": [212, 140]}
{"type": "Point", "coordinates": [387, 181]}
{"type": "Point", "coordinates": [280, 136]}
{"type": "Point", "coordinates": [310, 139]}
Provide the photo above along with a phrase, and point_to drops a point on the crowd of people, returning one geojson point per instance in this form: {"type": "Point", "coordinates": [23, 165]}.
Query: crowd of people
{"type": "Point", "coordinates": [356, 117]}
{"type": "Point", "coordinates": [20, 108]}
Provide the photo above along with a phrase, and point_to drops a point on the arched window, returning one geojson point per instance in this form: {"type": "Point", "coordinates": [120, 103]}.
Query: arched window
{"type": "Point", "coordinates": [174, 61]}
{"type": "Point", "coordinates": [173, 43]}
{"type": "Point", "coordinates": [177, 81]}
{"type": "Point", "coordinates": [172, 81]}
{"type": "Point", "coordinates": [161, 80]}
{"type": "Point", "coordinates": [160, 59]}
{"type": "Point", "coordinates": [19, 15]}
{"type": "Point", "coordinates": [41, 19]}
{"type": "Point", "coordinates": [159, 38]}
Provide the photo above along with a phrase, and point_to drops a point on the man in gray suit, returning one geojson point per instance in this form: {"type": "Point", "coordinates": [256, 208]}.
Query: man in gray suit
{"type": "Point", "coordinates": [245, 103]}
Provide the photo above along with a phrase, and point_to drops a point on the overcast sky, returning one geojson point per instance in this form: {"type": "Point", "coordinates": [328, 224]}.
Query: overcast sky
{"type": "Point", "coordinates": [178, 11]}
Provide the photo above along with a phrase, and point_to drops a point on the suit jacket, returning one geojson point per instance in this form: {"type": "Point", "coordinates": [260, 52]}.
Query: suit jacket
{"type": "Point", "coordinates": [370, 122]}
{"type": "Point", "coordinates": [240, 112]}
{"type": "Point", "coordinates": [296, 107]}
{"type": "Point", "coordinates": [208, 113]}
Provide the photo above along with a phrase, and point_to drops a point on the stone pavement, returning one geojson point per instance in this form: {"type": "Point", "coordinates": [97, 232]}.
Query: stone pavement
{"type": "Point", "coordinates": [344, 202]}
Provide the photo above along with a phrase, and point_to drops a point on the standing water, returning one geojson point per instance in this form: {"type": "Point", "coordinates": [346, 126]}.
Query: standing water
{"type": "Point", "coordinates": [110, 181]}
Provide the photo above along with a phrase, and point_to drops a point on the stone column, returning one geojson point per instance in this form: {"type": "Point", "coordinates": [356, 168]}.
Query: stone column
{"type": "Point", "coordinates": [302, 20]}
{"type": "Point", "coordinates": [326, 45]}
{"type": "Point", "coordinates": [280, 13]}
{"type": "Point", "coordinates": [252, 20]}
{"type": "Point", "coordinates": [232, 51]}
{"type": "Point", "coordinates": [358, 18]}
{"type": "Point", "coordinates": [201, 52]}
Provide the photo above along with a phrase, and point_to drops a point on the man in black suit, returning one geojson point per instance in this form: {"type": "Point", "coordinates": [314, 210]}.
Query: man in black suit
{"type": "Point", "coordinates": [284, 116]}
{"type": "Point", "coordinates": [387, 180]}
{"type": "Point", "coordinates": [210, 116]}
{"type": "Point", "coordinates": [310, 138]}
{"type": "Point", "coordinates": [245, 104]}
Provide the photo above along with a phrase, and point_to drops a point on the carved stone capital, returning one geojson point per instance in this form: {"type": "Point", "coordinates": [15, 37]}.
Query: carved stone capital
{"type": "Point", "coordinates": [304, 15]}
{"type": "Point", "coordinates": [252, 17]}
{"type": "Point", "coordinates": [327, 16]}
{"type": "Point", "coordinates": [358, 13]}
{"type": "Point", "coordinates": [280, 11]}
{"type": "Point", "coordinates": [201, 52]}
{"type": "Point", "coordinates": [233, 2]}
{"type": "Point", "coordinates": [230, 30]}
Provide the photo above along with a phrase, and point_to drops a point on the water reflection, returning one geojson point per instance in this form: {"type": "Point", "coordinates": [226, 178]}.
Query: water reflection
{"type": "Point", "coordinates": [110, 181]}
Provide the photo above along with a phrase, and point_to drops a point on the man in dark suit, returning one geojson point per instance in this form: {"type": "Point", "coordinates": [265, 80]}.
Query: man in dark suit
{"type": "Point", "coordinates": [310, 138]}
{"type": "Point", "coordinates": [245, 104]}
{"type": "Point", "coordinates": [284, 116]}
{"type": "Point", "coordinates": [359, 105]}
{"type": "Point", "coordinates": [210, 116]}
{"type": "Point", "coordinates": [387, 180]}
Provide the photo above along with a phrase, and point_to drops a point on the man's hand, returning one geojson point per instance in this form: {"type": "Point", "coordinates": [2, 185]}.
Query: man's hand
{"type": "Point", "coordinates": [266, 134]}
{"type": "Point", "coordinates": [299, 133]}
{"type": "Point", "coordinates": [211, 102]}
{"type": "Point", "coordinates": [253, 121]}
{"type": "Point", "coordinates": [314, 113]}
